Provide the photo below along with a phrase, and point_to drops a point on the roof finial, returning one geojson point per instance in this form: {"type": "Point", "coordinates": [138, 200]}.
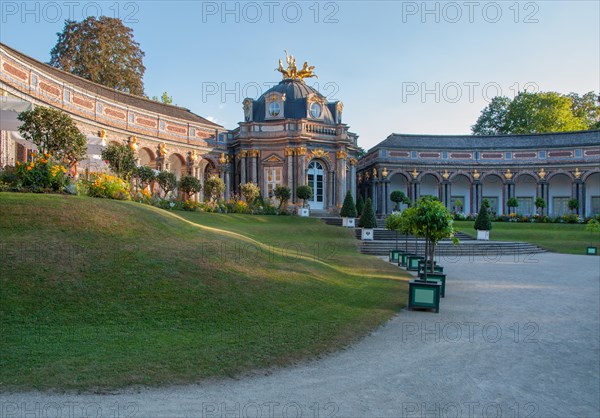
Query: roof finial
{"type": "Point", "coordinates": [292, 73]}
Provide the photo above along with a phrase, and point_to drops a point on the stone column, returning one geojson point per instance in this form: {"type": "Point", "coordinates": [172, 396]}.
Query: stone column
{"type": "Point", "coordinates": [253, 154]}
{"type": "Point", "coordinates": [227, 182]}
{"type": "Point", "coordinates": [289, 167]}
{"type": "Point", "coordinates": [386, 189]}
{"type": "Point", "coordinates": [301, 166]}
{"type": "Point", "coordinates": [341, 175]}
{"type": "Point", "coordinates": [330, 197]}
{"type": "Point", "coordinates": [353, 188]}
{"type": "Point", "coordinates": [243, 170]}
{"type": "Point", "coordinates": [476, 190]}
{"type": "Point", "coordinates": [578, 194]}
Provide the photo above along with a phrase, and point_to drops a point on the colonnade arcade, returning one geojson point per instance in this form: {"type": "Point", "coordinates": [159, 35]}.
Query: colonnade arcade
{"type": "Point", "coordinates": [555, 186]}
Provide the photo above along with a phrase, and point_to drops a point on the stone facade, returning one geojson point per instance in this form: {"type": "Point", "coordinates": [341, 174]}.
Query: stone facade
{"type": "Point", "coordinates": [556, 167]}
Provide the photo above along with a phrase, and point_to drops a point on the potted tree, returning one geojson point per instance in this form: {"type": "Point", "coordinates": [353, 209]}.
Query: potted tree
{"type": "Point", "coordinates": [394, 222]}
{"type": "Point", "coordinates": [593, 226]}
{"type": "Point", "coordinates": [368, 222]}
{"type": "Point", "coordinates": [406, 228]}
{"type": "Point", "coordinates": [348, 212]}
{"type": "Point", "coordinates": [512, 203]}
{"type": "Point", "coordinates": [483, 223]}
{"type": "Point", "coordinates": [304, 192]}
{"type": "Point", "coordinates": [397, 197]}
{"type": "Point", "coordinates": [433, 222]}
{"type": "Point", "coordinates": [573, 205]}
{"type": "Point", "coordinates": [458, 204]}
{"type": "Point", "coordinates": [540, 204]}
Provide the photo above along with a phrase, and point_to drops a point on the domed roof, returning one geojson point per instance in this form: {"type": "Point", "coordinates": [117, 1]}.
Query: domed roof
{"type": "Point", "coordinates": [295, 105]}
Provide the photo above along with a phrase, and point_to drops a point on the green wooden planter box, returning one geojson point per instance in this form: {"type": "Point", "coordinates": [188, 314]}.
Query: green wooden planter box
{"type": "Point", "coordinates": [436, 268]}
{"type": "Point", "coordinates": [394, 254]}
{"type": "Point", "coordinates": [438, 278]}
{"type": "Point", "coordinates": [403, 259]}
{"type": "Point", "coordinates": [413, 262]}
{"type": "Point", "coordinates": [591, 251]}
{"type": "Point", "coordinates": [424, 294]}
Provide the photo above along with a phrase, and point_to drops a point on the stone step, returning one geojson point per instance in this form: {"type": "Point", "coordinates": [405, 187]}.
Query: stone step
{"type": "Point", "coordinates": [490, 249]}
{"type": "Point", "coordinates": [387, 235]}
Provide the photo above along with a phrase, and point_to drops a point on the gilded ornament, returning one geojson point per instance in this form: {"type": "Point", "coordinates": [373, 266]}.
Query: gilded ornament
{"type": "Point", "coordinates": [341, 155]}
{"type": "Point", "coordinates": [476, 174]}
{"type": "Point", "coordinates": [577, 173]}
{"type": "Point", "coordinates": [292, 73]}
{"type": "Point", "coordinates": [162, 149]}
{"type": "Point", "coordinates": [193, 155]}
{"type": "Point", "coordinates": [384, 173]}
{"type": "Point", "coordinates": [542, 173]}
{"type": "Point", "coordinates": [508, 175]}
{"type": "Point", "coordinates": [353, 161]}
{"type": "Point", "coordinates": [445, 175]}
{"type": "Point", "coordinates": [415, 173]}
{"type": "Point", "coordinates": [133, 143]}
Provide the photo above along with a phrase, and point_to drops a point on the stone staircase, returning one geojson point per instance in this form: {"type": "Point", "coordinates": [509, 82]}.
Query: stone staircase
{"type": "Point", "coordinates": [385, 240]}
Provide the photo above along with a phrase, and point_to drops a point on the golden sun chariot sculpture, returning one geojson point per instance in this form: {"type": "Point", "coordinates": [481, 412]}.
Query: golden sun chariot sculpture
{"type": "Point", "coordinates": [292, 73]}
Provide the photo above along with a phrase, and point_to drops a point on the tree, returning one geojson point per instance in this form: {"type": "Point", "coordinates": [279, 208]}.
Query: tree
{"type": "Point", "coordinates": [283, 193]}
{"type": "Point", "coordinates": [101, 50]}
{"type": "Point", "coordinates": [145, 175]}
{"type": "Point", "coordinates": [483, 221]}
{"type": "Point", "coordinates": [397, 197]}
{"type": "Point", "coordinates": [120, 158]}
{"type": "Point", "coordinates": [593, 227]}
{"type": "Point", "coordinates": [573, 205]}
{"type": "Point", "coordinates": [165, 98]}
{"type": "Point", "coordinates": [303, 192]}
{"type": "Point", "coordinates": [214, 187]}
{"type": "Point", "coordinates": [368, 219]}
{"type": "Point", "coordinates": [432, 221]}
{"type": "Point", "coordinates": [189, 185]}
{"type": "Point", "coordinates": [348, 208]}
{"type": "Point", "coordinates": [394, 223]}
{"type": "Point", "coordinates": [360, 205]}
{"type": "Point", "coordinates": [167, 181]}
{"type": "Point", "coordinates": [492, 120]}
{"type": "Point", "coordinates": [512, 203]}
{"type": "Point", "coordinates": [538, 113]}
{"type": "Point", "coordinates": [406, 226]}
{"type": "Point", "coordinates": [458, 204]}
{"type": "Point", "coordinates": [540, 203]}
{"type": "Point", "coordinates": [587, 108]}
{"type": "Point", "coordinates": [250, 191]}
{"type": "Point", "coordinates": [53, 132]}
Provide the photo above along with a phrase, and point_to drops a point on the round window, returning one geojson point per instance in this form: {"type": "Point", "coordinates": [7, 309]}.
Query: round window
{"type": "Point", "coordinates": [274, 109]}
{"type": "Point", "coordinates": [315, 110]}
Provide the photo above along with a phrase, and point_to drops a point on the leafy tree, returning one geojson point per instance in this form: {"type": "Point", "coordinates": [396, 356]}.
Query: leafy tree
{"type": "Point", "coordinates": [587, 108]}
{"type": "Point", "coordinates": [360, 205]}
{"type": "Point", "coordinates": [538, 113]}
{"type": "Point", "coordinates": [250, 191]}
{"type": "Point", "coordinates": [303, 192]}
{"type": "Point", "coordinates": [348, 208]}
{"type": "Point", "coordinates": [214, 187]}
{"type": "Point", "coordinates": [406, 225]}
{"type": "Point", "coordinates": [145, 175]}
{"type": "Point", "coordinates": [283, 193]}
{"type": "Point", "coordinates": [483, 221]}
{"type": "Point", "coordinates": [101, 50]}
{"type": "Point", "coordinates": [593, 227]}
{"type": "Point", "coordinates": [512, 203]}
{"type": "Point", "coordinates": [368, 219]}
{"type": "Point", "coordinates": [492, 120]}
{"type": "Point", "coordinates": [120, 158]}
{"type": "Point", "coordinates": [458, 204]}
{"type": "Point", "coordinates": [167, 182]}
{"type": "Point", "coordinates": [394, 223]}
{"type": "Point", "coordinates": [397, 197]}
{"type": "Point", "coordinates": [432, 221]}
{"type": "Point", "coordinates": [189, 185]}
{"type": "Point", "coordinates": [540, 203]}
{"type": "Point", "coordinates": [165, 98]}
{"type": "Point", "coordinates": [53, 132]}
{"type": "Point", "coordinates": [573, 205]}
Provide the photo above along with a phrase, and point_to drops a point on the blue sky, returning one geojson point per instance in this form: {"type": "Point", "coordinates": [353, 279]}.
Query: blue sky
{"type": "Point", "coordinates": [404, 67]}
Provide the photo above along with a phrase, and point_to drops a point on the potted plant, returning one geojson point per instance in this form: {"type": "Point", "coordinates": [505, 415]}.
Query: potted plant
{"type": "Point", "coordinates": [593, 226]}
{"type": "Point", "coordinates": [483, 223]}
{"type": "Point", "coordinates": [433, 222]}
{"type": "Point", "coordinates": [394, 222]}
{"type": "Point", "coordinates": [405, 228]}
{"type": "Point", "coordinates": [304, 192]}
{"type": "Point", "coordinates": [368, 222]}
{"type": "Point", "coordinates": [540, 204]}
{"type": "Point", "coordinates": [348, 211]}
{"type": "Point", "coordinates": [397, 197]}
{"type": "Point", "coordinates": [458, 204]}
{"type": "Point", "coordinates": [573, 205]}
{"type": "Point", "coordinates": [512, 203]}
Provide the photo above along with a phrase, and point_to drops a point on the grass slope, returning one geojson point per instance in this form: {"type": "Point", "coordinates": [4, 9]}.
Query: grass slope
{"type": "Point", "coordinates": [98, 294]}
{"type": "Point", "coordinates": [560, 238]}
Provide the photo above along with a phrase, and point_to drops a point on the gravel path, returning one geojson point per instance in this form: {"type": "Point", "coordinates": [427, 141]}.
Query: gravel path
{"type": "Point", "coordinates": [514, 338]}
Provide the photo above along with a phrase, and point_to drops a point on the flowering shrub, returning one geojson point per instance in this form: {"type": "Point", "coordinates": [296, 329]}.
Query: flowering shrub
{"type": "Point", "coordinates": [110, 187]}
{"type": "Point", "coordinates": [40, 175]}
{"type": "Point", "coordinates": [190, 205]}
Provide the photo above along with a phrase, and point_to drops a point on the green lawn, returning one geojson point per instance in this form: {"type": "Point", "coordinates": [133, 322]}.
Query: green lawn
{"type": "Point", "coordinates": [560, 238]}
{"type": "Point", "coordinates": [98, 294]}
